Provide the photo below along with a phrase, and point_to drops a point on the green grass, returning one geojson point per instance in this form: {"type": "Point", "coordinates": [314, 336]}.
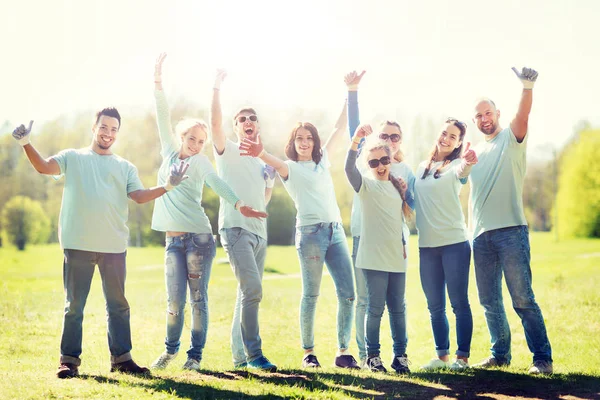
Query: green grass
{"type": "Point", "coordinates": [566, 284]}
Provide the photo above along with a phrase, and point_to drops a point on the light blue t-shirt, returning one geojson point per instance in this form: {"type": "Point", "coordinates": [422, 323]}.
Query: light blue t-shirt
{"type": "Point", "coordinates": [497, 183]}
{"type": "Point", "coordinates": [380, 247]}
{"type": "Point", "coordinates": [244, 175]}
{"type": "Point", "coordinates": [311, 187]}
{"type": "Point", "coordinates": [94, 208]}
{"type": "Point", "coordinates": [440, 220]}
{"type": "Point", "coordinates": [180, 209]}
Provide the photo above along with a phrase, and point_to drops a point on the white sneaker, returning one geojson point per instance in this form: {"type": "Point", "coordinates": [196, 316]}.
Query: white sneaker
{"type": "Point", "coordinates": [363, 363]}
{"type": "Point", "coordinates": [459, 365]}
{"type": "Point", "coordinates": [192, 364]}
{"type": "Point", "coordinates": [163, 360]}
{"type": "Point", "coordinates": [436, 363]}
{"type": "Point", "coordinates": [541, 367]}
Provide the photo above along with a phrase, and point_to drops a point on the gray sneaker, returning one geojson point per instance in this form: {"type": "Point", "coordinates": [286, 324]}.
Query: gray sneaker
{"type": "Point", "coordinates": [192, 364]}
{"type": "Point", "coordinates": [490, 362]}
{"type": "Point", "coordinates": [541, 367]}
{"type": "Point", "coordinates": [163, 360]}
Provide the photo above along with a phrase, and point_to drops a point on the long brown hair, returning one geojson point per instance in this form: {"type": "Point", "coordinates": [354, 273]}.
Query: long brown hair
{"type": "Point", "coordinates": [290, 148]}
{"type": "Point", "coordinates": [462, 127]}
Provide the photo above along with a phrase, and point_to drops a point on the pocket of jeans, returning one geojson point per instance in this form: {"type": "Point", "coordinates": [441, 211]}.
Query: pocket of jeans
{"type": "Point", "coordinates": [309, 229]}
{"type": "Point", "coordinates": [231, 236]}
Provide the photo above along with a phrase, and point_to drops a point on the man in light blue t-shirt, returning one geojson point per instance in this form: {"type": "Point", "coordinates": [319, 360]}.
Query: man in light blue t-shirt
{"type": "Point", "coordinates": [93, 231]}
{"type": "Point", "coordinates": [244, 239]}
{"type": "Point", "coordinates": [500, 233]}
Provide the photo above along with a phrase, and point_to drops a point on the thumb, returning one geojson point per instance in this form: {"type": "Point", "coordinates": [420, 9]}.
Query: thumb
{"type": "Point", "coordinates": [516, 72]}
{"type": "Point", "coordinates": [30, 125]}
{"type": "Point", "coordinates": [258, 139]}
{"type": "Point", "coordinates": [467, 147]}
{"type": "Point", "coordinates": [361, 74]}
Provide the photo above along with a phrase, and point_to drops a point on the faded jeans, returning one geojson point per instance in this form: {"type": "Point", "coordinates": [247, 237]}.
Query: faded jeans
{"type": "Point", "coordinates": [78, 271]}
{"type": "Point", "coordinates": [188, 263]}
{"type": "Point", "coordinates": [318, 243]}
{"type": "Point", "coordinates": [385, 288]}
{"type": "Point", "coordinates": [506, 251]}
{"type": "Point", "coordinates": [448, 267]}
{"type": "Point", "coordinates": [362, 299]}
{"type": "Point", "coordinates": [247, 252]}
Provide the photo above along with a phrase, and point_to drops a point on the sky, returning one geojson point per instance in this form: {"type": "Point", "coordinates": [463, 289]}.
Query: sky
{"type": "Point", "coordinates": [423, 58]}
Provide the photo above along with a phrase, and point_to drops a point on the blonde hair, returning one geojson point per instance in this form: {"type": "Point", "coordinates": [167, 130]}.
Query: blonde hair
{"type": "Point", "coordinates": [186, 124]}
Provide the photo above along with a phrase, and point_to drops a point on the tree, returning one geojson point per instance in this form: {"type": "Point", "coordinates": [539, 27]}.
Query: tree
{"type": "Point", "coordinates": [25, 222]}
{"type": "Point", "coordinates": [578, 200]}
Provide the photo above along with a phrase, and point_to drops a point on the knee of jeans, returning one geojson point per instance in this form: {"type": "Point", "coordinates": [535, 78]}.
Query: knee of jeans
{"type": "Point", "coordinates": [198, 306]}
{"type": "Point", "coordinates": [311, 298]}
{"type": "Point", "coordinates": [461, 307]}
{"type": "Point", "coordinates": [175, 307]}
{"type": "Point", "coordinates": [436, 310]}
{"type": "Point", "coordinates": [252, 293]}
{"type": "Point", "coordinates": [523, 302]}
{"type": "Point", "coordinates": [375, 311]}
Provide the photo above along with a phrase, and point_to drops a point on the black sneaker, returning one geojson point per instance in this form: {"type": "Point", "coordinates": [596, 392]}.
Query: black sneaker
{"type": "Point", "coordinates": [346, 361]}
{"type": "Point", "coordinates": [374, 364]}
{"type": "Point", "coordinates": [67, 370]}
{"type": "Point", "coordinates": [129, 367]}
{"type": "Point", "coordinates": [310, 361]}
{"type": "Point", "coordinates": [400, 364]}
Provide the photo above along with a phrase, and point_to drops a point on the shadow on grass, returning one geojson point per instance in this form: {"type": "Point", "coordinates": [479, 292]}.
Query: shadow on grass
{"type": "Point", "coordinates": [473, 384]}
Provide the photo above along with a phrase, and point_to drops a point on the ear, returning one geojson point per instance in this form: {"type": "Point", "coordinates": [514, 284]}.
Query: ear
{"type": "Point", "coordinates": [497, 113]}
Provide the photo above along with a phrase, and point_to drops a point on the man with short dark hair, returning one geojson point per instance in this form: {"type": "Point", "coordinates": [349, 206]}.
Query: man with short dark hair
{"type": "Point", "coordinates": [93, 231]}
{"type": "Point", "coordinates": [501, 236]}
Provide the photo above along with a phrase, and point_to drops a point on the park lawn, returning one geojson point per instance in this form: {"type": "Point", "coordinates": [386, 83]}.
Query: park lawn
{"type": "Point", "coordinates": [565, 283]}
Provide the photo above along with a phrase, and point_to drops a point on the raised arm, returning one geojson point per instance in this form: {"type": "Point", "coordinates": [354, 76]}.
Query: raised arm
{"type": "Point", "coordinates": [46, 166]}
{"type": "Point", "coordinates": [216, 115]}
{"type": "Point", "coordinates": [335, 138]}
{"type": "Point", "coordinates": [256, 149]}
{"type": "Point", "coordinates": [163, 115]}
{"type": "Point", "coordinates": [352, 80]}
{"type": "Point", "coordinates": [176, 176]}
{"type": "Point", "coordinates": [519, 124]}
{"type": "Point", "coordinates": [469, 158]}
{"type": "Point", "coordinates": [352, 172]}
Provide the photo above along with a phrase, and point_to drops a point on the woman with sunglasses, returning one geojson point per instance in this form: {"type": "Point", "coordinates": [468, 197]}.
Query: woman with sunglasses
{"type": "Point", "coordinates": [381, 256]}
{"type": "Point", "coordinates": [445, 253]}
{"type": "Point", "coordinates": [320, 234]}
{"type": "Point", "coordinates": [190, 247]}
{"type": "Point", "coordinates": [391, 133]}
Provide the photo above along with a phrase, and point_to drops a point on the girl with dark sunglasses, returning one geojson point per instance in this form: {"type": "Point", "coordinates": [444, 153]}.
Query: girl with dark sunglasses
{"type": "Point", "coordinates": [391, 134]}
{"type": "Point", "coordinates": [320, 235]}
{"type": "Point", "coordinates": [445, 253]}
{"type": "Point", "coordinates": [381, 256]}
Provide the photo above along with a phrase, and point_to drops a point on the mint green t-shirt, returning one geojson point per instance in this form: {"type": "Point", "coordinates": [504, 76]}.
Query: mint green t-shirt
{"type": "Point", "coordinates": [94, 208]}
{"type": "Point", "coordinates": [497, 183]}
{"type": "Point", "coordinates": [439, 217]}
{"type": "Point", "coordinates": [311, 187]}
{"type": "Point", "coordinates": [244, 174]}
{"type": "Point", "coordinates": [380, 247]}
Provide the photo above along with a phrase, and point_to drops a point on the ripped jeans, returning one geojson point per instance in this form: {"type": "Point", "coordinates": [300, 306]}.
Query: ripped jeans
{"type": "Point", "coordinates": [188, 262]}
{"type": "Point", "coordinates": [318, 243]}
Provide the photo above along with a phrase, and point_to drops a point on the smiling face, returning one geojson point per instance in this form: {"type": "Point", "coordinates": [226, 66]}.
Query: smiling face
{"type": "Point", "coordinates": [486, 118]}
{"type": "Point", "coordinates": [246, 124]}
{"type": "Point", "coordinates": [104, 134]}
{"type": "Point", "coordinates": [379, 163]}
{"type": "Point", "coordinates": [192, 141]}
{"type": "Point", "coordinates": [448, 141]}
{"type": "Point", "coordinates": [304, 144]}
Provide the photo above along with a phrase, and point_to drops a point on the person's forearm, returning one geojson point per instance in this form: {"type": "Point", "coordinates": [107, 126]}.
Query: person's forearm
{"type": "Point", "coordinates": [520, 123]}
{"type": "Point", "coordinates": [353, 115]}
{"type": "Point", "coordinates": [216, 121]}
{"type": "Point", "coordinates": [277, 163]}
{"type": "Point", "coordinates": [146, 195]}
{"type": "Point", "coordinates": [163, 119]}
{"type": "Point", "coordinates": [352, 172]}
{"type": "Point", "coordinates": [41, 165]}
{"type": "Point", "coordinates": [222, 188]}
{"type": "Point", "coordinates": [464, 170]}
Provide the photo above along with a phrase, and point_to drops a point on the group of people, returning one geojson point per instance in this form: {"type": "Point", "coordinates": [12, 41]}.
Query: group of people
{"type": "Point", "coordinates": [93, 231]}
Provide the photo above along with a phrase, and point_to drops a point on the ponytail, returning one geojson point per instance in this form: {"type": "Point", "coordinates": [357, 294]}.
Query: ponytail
{"type": "Point", "coordinates": [406, 211]}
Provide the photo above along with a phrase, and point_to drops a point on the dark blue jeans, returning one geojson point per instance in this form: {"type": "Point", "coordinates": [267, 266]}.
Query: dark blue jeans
{"type": "Point", "coordinates": [448, 267]}
{"type": "Point", "coordinates": [506, 251]}
{"type": "Point", "coordinates": [78, 271]}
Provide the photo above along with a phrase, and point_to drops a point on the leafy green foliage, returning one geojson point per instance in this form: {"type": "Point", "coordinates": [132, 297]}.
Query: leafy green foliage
{"type": "Point", "coordinates": [25, 221]}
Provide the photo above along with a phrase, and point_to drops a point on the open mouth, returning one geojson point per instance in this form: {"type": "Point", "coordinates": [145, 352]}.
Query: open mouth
{"type": "Point", "coordinates": [105, 140]}
{"type": "Point", "coordinates": [381, 173]}
{"type": "Point", "coordinates": [249, 131]}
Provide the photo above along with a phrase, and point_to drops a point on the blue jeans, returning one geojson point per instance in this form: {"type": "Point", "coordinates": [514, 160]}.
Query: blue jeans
{"type": "Point", "coordinates": [78, 271]}
{"type": "Point", "coordinates": [385, 288]}
{"type": "Point", "coordinates": [507, 251]}
{"type": "Point", "coordinates": [246, 252]}
{"type": "Point", "coordinates": [317, 243]}
{"type": "Point", "coordinates": [362, 299]}
{"type": "Point", "coordinates": [188, 262]}
{"type": "Point", "coordinates": [441, 267]}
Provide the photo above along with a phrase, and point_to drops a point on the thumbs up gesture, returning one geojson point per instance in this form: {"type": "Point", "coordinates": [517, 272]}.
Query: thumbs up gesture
{"type": "Point", "coordinates": [527, 76]}
{"type": "Point", "coordinates": [21, 134]}
{"type": "Point", "coordinates": [469, 155]}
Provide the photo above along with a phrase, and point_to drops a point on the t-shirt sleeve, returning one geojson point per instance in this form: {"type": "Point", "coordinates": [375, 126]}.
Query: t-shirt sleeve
{"type": "Point", "coordinates": [133, 180]}
{"type": "Point", "coordinates": [62, 160]}
{"type": "Point", "coordinates": [513, 140]}
{"type": "Point", "coordinates": [292, 165]}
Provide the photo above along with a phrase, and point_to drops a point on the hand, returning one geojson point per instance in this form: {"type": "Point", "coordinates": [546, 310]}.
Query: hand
{"type": "Point", "coordinates": [401, 183]}
{"type": "Point", "coordinates": [177, 175]}
{"type": "Point", "coordinates": [352, 79]}
{"type": "Point", "coordinates": [363, 131]}
{"type": "Point", "coordinates": [469, 155]}
{"type": "Point", "coordinates": [527, 76]}
{"type": "Point", "coordinates": [21, 134]}
{"type": "Point", "coordinates": [221, 75]}
{"type": "Point", "coordinates": [269, 175]}
{"type": "Point", "coordinates": [158, 67]}
{"type": "Point", "coordinates": [250, 212]}
{"type": "Point", "coordinates": [253, 149]}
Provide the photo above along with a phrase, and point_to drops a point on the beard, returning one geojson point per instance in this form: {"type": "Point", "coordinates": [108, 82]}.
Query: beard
{"type": "Point", "coordinates": [103, 146]}
{"type": "Point", "coordinates": [490, 130]}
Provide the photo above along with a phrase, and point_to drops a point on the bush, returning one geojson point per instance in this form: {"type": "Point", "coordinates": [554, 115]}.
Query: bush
{"type": "Point", "coordinates": [25, 221]}
{"type": "Point", "coordinates": [282, 217]}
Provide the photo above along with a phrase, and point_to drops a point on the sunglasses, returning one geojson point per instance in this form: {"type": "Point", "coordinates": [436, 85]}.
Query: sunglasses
{"type": "Point", "coordinates": [241, 119]}
{"type": "Point", "coordinates": [394, 137]}
{"type": "Point", "coordinates": [455, 121]}
{"type": "Point", "coordinates": [374, 163]}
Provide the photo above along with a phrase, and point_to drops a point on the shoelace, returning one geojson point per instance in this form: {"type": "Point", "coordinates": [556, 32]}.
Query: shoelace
{"type": "Point", "coordinates": [404, 361]}
{"type": "Point", "coordinates": [376, 362]}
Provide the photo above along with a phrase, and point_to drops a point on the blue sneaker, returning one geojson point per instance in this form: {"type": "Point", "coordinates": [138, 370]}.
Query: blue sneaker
{"type": "Point", "coordinates": [242, 365]}
{"type": "Point", "coordinates": [262, 363]}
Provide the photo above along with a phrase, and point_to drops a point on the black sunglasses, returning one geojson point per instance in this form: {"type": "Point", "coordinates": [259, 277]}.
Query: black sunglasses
{"type": "Point", "coordinates": [374, 163]}
{"type": "Point", "coordinates": [394, 137]}
{"type": "Point", "coordinates": [454, 120]}
{"type": "Point", "coordinates": [241, 119]}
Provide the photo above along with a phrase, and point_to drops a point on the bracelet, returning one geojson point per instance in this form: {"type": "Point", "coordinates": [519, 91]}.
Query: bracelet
{"type": "Point", "coordinates": [261, 153]}
{"type": "Point", "coordinates": [216, 88]}
{"type": "Point", "coordinates": [355, 142]}
{"type": "Point", "coordinates": [157, 81]}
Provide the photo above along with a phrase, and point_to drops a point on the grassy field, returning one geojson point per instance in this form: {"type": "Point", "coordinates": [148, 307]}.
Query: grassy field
{"type": "Point", "coordinates": [566, 282]}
